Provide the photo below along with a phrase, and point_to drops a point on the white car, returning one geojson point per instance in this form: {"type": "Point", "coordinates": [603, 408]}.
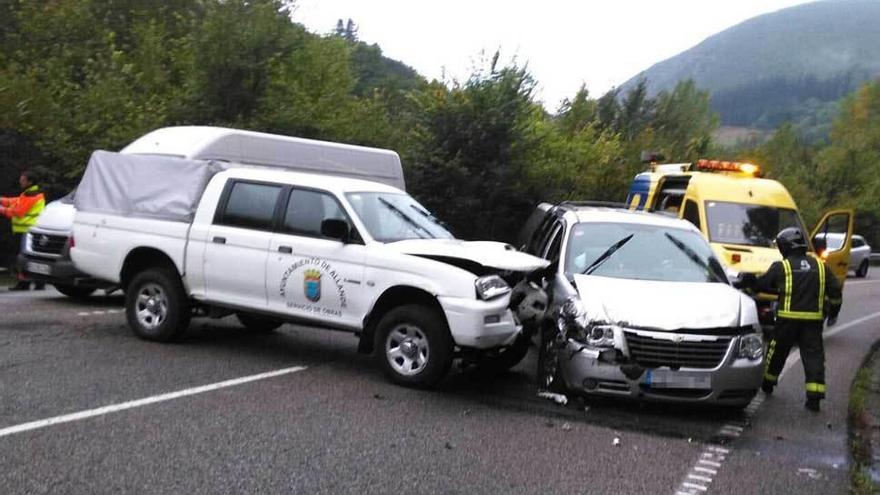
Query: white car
{"type": "Point", "coordinates": [190, 237]}
{"type": "Point", "coordinates": [644, 307]}
{"type": "Point", "coordinates": [860, 252]}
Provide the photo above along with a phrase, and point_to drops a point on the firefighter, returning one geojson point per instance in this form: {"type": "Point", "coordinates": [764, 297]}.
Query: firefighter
{"type": "Point", "coordinates": [23, 211]}
{"type": "Point", "coordinates": [808, 293]}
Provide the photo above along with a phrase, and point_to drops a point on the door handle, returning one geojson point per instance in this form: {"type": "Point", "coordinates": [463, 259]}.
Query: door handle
{"type": "Point", "coordinates": [219, 240]}
{"type": "Point", "coordinates": [285, 249]}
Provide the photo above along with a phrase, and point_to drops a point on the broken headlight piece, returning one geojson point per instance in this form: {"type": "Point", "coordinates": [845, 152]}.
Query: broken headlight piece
{"type": "Point", "coordinates": [573, 323]}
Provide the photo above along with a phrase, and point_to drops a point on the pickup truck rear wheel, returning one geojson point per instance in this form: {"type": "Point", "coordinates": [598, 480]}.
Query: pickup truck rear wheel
{"type": "Point", "coordinates": [413, 346]}
{"type": "Point", "coordinates": [258, 323]}
{"type": "Point", "coordinates": [156, 305]}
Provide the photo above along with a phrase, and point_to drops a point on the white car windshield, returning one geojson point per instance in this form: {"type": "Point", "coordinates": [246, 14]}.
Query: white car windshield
{"type": "Point", "coordinates": [642, 252]}
{"type": "Point", "coordinates": [391, 217]}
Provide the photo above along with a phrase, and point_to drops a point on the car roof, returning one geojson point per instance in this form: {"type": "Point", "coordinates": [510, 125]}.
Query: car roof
{"type": "Point", "coordinates": [586, 214]}
{"type": "Point", "coordinates": [338, 185]}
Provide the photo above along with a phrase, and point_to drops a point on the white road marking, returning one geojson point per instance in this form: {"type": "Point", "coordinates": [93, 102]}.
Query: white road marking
{"type": "Point", "coordinates": [861, 282]}
{"type": "Point", "coordinates": [97, 312]}
{"type": "Point", "coordinates": [718, 453]}
{"type": "Point", "coordinates": [83, 314]}
{"type": "Point", "coordinates": [91, 413]}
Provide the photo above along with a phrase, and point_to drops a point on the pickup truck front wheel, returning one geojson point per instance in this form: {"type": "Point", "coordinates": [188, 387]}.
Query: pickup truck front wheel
{"type": "Point", "coordinates": [413, 346]}
{"type": "Point", "coordinates": [156, 305]}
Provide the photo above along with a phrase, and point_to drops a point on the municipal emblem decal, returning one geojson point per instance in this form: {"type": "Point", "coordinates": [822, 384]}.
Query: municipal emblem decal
{"type": "Point", "coordinates": [312, 285]}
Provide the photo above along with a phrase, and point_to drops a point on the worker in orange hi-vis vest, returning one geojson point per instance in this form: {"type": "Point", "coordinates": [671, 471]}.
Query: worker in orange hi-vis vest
{"type": "Point", "coordinates": [22, 211]}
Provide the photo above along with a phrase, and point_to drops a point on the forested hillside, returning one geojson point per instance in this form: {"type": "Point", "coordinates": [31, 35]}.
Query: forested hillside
{"type": "Point", "coordinates": [791, 65]}
{"type": "Point", "coordinates": [81, 75]}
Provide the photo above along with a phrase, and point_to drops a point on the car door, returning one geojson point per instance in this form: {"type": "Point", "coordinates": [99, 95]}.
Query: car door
{"type": "Point", "coordinates": [238, 241]}
{"type": "Point", "coordinates": [311, 276]}
{"type": "Point", "coordinates": [835, 222]}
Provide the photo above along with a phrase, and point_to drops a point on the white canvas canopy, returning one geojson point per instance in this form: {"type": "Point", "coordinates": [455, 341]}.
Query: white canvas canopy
{"type": "Point", "coordinates": [272, 150]}
{"type": "Point", "coordinates": [160, 187]}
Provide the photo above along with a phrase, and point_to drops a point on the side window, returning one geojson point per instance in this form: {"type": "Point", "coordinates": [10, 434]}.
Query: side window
{"type": "Point", "coordinates": [857, 242]}
{"type": "Point", "coordinates": [692, 213]}
{"type": "Point", "coordinates": [307, 209]}
{"type": "Point", "coordinates": [251, 206]}
{"type": "Point", "coordinates": [554, 246]}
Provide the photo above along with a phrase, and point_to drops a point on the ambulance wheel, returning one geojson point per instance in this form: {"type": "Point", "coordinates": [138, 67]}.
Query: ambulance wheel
{"type": "Point", "coordinates": [413, 346]}
{"type": "Point", "coordinates": [258, 323]}
{"type": "Point", "coordinates": [156, 305]}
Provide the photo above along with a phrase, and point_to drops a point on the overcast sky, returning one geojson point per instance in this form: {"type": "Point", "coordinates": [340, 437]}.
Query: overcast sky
{"type": "Point", "coordinates": [565, 43]}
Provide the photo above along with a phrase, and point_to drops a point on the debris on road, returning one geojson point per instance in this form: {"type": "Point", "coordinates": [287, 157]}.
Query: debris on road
{"type": "Point", "coordinates": [566, 426]}
{"type": "Point", "coordinates": [557, 398]}
{"type": "Point", "coordinates": [616, 441]}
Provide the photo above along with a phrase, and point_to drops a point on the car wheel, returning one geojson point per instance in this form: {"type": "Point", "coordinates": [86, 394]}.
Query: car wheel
{"type": "Point", "coordinates": [74, 292]}
{"type": "Point", "coordinates": [258, 323]}
{"type": "Point", "coordinates": [156, 305]}
{"type": "Point", "coordinates": [862, 272]}
{"type": "Point", "coordinates": [505, 358]}
{"type": "Point", "coordinates": [413, 346]}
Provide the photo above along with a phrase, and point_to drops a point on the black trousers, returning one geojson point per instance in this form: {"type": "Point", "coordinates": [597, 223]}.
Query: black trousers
{"type": "Point", "coordinates": [16, 247]}
{"type": "Point", "coordinates": [807, 335]}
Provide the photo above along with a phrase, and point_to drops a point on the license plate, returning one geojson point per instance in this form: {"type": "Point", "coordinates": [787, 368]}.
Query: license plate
{"type": "Point", "coordinates": [40, 268]}
{"type": "Point", "coordinates": [677, 379]}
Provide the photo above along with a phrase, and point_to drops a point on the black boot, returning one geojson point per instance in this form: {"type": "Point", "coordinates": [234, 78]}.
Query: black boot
{"type": "Point", "coordinates": [21, 285]}
{"type": "Point", "coordinates": [767, 387]}
{"type": "Point", "coordinates": [39, 286]}
{"type": "Point", "coordinates": [812, 404]}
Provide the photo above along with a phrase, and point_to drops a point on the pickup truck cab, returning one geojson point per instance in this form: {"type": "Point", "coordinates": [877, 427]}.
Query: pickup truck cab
{"type": "Point", "coordinates": [275, 246]}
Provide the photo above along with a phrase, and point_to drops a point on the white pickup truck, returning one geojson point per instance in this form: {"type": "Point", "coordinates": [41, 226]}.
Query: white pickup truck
{"type": "Point", "coordinates": [189, 237]}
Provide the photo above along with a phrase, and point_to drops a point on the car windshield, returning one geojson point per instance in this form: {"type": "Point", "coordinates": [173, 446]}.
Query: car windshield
{"type": "Point", "coordinates": [651, 253]}
{"type": "Point", "coordinates": [391, 217]}
{"type": "Point", "coordinates": [748, 225]}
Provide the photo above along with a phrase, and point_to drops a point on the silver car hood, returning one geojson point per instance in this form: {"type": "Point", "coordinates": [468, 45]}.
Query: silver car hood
{"type": "Point", "coordinates": [664, 305]}
{"type": "Point", "coordinates": [56, 216]}
{"type": "Point", "coordinates": [487, 253]}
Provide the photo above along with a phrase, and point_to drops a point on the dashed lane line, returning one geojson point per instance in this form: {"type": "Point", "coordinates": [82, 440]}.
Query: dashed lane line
{"type": "Point", "coordinates": [91, 413]}
{"type": "Point", "coordinates": [700, 477]}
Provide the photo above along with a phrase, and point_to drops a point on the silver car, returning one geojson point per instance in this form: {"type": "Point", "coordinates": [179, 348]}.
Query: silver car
{"type": "Point", "coordinates": [643, 308]}
{"type": "Point", "coordinates": [860, 253]}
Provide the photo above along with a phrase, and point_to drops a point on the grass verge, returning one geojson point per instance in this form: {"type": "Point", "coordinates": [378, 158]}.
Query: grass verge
{"type": "Point", "coordinates": [861, 425]}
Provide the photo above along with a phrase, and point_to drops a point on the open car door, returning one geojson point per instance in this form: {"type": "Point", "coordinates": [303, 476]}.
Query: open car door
{"type": "Point", "coordinates": [836, 224]}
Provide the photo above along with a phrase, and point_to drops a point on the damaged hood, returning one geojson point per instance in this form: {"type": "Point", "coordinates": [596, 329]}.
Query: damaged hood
{"type": "Point", "coordinates": [661, 305]}
{"type": "Point", "coordinates": [487, 253]}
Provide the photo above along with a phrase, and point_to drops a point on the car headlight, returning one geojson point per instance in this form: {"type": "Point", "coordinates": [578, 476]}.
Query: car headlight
{"type": "Point", "coordinates": [751, 346]}
{"type": "Point", "coordinates": [600, 336]}
{"type": "Point", "coordinates": [490, 287]}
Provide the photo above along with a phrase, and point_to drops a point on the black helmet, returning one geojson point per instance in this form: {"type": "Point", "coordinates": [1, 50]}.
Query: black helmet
{"type": "Point", "coordinates": [790, 240]}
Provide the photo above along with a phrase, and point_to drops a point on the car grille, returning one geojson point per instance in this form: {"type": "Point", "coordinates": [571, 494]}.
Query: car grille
{"type": "Point", "coordinates": [47, 244]}
{"type": "Point", "coordinates": [653, 352]}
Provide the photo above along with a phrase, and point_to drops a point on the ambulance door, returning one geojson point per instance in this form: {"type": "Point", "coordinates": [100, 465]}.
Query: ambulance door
{"type": "Point", "coordinates": [832, 241]}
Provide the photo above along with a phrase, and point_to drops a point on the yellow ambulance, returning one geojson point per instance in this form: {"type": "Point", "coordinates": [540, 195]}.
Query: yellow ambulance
{"type": "Point", "coordinates": [739, 213]}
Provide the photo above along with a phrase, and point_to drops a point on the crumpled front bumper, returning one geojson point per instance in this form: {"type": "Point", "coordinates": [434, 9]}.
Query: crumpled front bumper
{"type": "Point", "coordinates": [734, 382]}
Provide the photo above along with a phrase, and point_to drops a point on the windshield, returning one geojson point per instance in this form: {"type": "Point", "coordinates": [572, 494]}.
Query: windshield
{"type": "Point", "coordinates": [748, 225]}
{"type": "Point", "coordinates": [391, 217]}
{"type": "Point", "coordinates": [650, 253]}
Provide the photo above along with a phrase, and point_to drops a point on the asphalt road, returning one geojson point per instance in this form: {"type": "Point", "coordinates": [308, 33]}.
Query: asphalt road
{"type": "Point", "coordinates": [330, 423]}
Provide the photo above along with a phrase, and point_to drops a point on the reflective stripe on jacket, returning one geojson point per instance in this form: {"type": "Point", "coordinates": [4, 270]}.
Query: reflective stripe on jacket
{"type": "Point", "coordinates": [807, 289]}
{"type": "Point", "coordinates": [24, 209]}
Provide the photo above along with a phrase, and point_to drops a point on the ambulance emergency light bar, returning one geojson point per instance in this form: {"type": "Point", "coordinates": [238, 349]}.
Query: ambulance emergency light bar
{"type": "Point", "coordinates": [722, 166]}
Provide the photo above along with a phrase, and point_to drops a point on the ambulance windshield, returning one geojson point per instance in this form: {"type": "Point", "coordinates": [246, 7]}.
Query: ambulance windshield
{"type": "Point", "coordinates": [747, 224]}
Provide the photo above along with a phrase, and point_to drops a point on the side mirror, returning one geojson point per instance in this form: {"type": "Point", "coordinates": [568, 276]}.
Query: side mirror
{"type": "Point", "coordinates": [335, 228]}
{"type": "Point", "coordinates": [820, 244]}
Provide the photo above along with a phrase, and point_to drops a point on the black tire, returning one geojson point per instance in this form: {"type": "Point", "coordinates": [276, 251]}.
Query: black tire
{"type": "Point", "coordinates": [258, 323]}
{"type": "Point", "coordinates": [426, 336]}
{"type": "Point", "coordinates": [74, 292]}
{"type": "Point", "coordinates": [862, 272]}
{"type": "Point", "coordinates": [500, 360]}
{"type": "Point", "coordinates": [169, 301]}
